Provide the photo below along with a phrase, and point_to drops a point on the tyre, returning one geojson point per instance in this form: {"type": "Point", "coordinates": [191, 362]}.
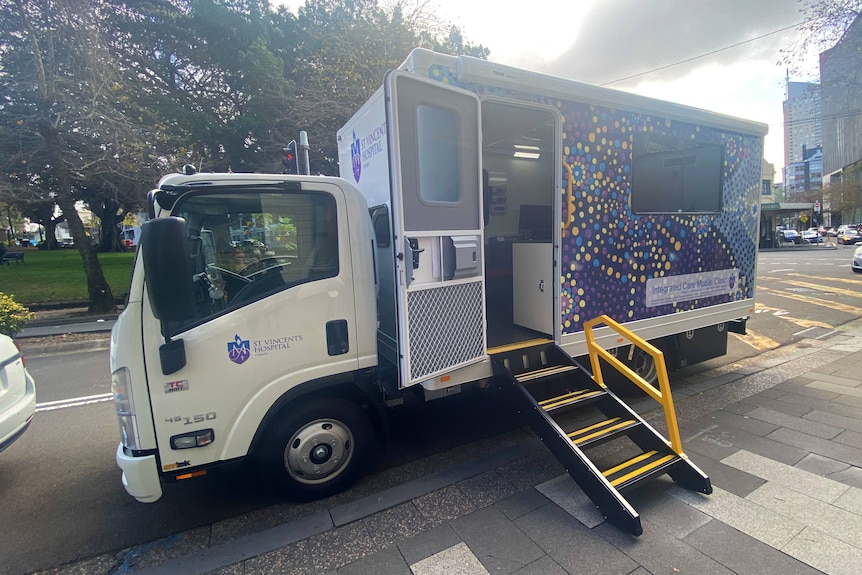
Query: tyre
{"type": "Point", "coordinates": [638, 361]}
{"type": "Point", "coordinates": [320, 448]}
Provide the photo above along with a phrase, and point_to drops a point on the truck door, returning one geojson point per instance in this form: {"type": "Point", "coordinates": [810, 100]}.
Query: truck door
{"type": "Point", "coordinates": [436, 179]}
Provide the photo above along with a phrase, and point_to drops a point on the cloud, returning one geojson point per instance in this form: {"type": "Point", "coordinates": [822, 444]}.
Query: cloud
{"type": "Point", "coordinates": [620, 38]}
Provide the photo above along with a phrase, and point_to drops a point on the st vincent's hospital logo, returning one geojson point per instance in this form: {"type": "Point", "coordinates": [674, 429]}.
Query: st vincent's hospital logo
{"type": "Point", "coordinates": [239, 350]}
{"type": "Point", "coordinates": [356, 157]}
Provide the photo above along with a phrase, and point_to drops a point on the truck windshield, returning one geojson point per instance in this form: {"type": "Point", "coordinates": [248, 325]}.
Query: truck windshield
{"type": "Point", "coordinates": [247, 245]}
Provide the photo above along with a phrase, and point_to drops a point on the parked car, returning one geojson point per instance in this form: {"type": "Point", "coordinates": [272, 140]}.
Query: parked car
{"type": "Point", "coordinates": [17, 393]}
{"type": "Point", "coordinates": [789, 237]}
{"type": "Point", "coordinates": [856, 264]}
{"type": "Point", "coordinates": [849, 236]}
{"type": "Point", "coordinates": [812, 236]}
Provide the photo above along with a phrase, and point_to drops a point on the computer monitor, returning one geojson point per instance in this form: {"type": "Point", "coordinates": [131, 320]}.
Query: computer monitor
{"type": "Point", "coordinates": [535, 223]}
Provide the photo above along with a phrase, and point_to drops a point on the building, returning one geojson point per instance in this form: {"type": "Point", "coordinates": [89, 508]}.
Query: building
{"type": "Point", "coordinates": [803, 179]}
{"type": "Point", "coordinates": [802, 126]}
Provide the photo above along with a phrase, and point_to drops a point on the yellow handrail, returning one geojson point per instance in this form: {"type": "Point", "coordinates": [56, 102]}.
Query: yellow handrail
{"type": "Point", "coordinates": [570, 198]}
{"type": "Point", "coordinates": [661, 395]}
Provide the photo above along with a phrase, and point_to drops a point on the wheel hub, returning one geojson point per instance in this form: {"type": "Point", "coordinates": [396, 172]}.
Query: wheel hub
{"type": "Point", "coordinates": [319, 451]}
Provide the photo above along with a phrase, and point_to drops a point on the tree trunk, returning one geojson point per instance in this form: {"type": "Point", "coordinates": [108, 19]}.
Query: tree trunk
{"type": "Point", "coordinates": [101, 299]}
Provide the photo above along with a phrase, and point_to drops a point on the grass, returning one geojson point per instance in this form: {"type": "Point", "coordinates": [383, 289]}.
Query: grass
{"type": "Point", "coordinates": [57, 277]}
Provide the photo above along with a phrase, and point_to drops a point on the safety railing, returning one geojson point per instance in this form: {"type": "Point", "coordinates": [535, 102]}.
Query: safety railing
{"type": "Point", "coordinates": [662, 395]}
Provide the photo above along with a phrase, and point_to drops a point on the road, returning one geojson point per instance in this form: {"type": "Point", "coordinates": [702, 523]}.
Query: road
{"type": "Point", "coordinates": [60, 492]}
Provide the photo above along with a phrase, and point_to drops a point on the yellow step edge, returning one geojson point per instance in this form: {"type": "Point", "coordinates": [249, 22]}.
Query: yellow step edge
{"type": "Point", "coordinates": [552, 370]}
{"type": "Point", "coordinates": [603, 431]}
{"type": "Point", "coordinates": [642, 470]}
{"type": "Point", "coordinates": [567, 398]}
{"type": "Point", "coordinates": [630, 462]}
{"type": "Point", "coordinates": [518, 345]}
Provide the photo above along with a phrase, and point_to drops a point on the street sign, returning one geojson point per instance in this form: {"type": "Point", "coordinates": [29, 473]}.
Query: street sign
{"type": "Point", "coordinates": [816, 207]}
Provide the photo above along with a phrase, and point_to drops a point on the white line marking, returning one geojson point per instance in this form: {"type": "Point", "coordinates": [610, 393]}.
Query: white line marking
{"type": "Point", "coordinates": [73, 402]}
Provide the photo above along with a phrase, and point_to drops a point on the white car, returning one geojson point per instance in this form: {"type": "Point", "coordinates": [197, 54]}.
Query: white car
{"type": "Point", "coordinates": [17, 393]}
{"type": "Point", "coordinates": [856, 264]}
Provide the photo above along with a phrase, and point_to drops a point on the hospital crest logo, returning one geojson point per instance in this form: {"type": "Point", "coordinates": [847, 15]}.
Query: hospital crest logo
{"type": "Point", "coordinates": [238, 350]}
{"type": "Point", "coordinates": [356, 157]}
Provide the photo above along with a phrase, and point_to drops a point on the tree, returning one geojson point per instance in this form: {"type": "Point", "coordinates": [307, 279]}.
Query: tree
{"type": "Point", "coordinates": [61, 86]}
{"type": "Point", "coordinates": [824, 22]}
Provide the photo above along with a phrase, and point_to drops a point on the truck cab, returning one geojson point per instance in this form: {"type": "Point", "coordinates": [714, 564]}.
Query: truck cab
{"type": "Point", "coordinates": [249, 326]}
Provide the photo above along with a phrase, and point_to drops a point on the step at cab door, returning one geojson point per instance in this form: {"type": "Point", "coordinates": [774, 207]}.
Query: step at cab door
{"type": "Point", "coordinates": [434, 138]}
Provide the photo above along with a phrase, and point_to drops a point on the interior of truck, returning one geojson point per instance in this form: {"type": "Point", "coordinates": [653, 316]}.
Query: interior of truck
{"type": "Point", "coordinates": [520, 165]}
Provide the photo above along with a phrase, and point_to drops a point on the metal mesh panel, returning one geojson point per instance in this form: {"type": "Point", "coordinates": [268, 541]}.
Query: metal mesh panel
{"type": "Point", "coordinates": [446, 327]}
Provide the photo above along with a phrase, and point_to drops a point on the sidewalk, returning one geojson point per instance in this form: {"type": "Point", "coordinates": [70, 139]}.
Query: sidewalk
{"type": "Point", "coordinates": [779, 434]}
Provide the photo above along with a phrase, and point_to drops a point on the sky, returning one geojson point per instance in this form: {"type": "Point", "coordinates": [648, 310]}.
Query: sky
{"type": "Point", "coordinates": [603, 41]}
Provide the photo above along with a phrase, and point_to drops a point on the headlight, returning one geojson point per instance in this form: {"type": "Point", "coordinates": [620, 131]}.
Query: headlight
{"type": "Point", "coordinates": [858, 252]}
{"type": "Point", "coordinates": [125, 405]}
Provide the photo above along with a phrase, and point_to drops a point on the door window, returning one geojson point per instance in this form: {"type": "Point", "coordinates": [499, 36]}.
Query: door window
{"type": "Point", "coordinates": [249, 245]}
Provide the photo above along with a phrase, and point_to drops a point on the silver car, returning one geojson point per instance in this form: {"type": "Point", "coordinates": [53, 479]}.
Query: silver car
{"type": "Point", "coordinates": [17, 393]}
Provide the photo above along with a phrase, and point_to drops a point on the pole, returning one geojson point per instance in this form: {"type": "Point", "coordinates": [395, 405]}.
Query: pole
{"type": "Point", "coordinates": [305, 168]}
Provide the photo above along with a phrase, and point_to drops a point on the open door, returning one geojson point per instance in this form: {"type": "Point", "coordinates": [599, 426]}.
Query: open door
{"type": "Point", "coordinates": [437, 225]}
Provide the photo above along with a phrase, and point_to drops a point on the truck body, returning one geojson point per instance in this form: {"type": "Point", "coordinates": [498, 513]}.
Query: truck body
{"type": "Point", "coordinates": [480, 209]}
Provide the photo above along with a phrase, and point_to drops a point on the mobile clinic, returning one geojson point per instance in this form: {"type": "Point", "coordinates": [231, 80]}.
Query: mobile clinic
{"type": "Point", "coordinates": [491, 226]}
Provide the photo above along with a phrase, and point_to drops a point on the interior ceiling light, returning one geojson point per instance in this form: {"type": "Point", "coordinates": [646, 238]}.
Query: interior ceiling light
{"type": "Point", "coordinates": [531, 148]}
{"type": "Point", "coordinates": [528, 155]}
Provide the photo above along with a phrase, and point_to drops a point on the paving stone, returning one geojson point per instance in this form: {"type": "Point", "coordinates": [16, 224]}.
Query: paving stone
{"type": "Point", "coordinates": [428, 543]}
{"type": "Point", "coordinates": [838, 380]}
{"type": "Point", "coordinates": [564, 492]}
{"type": "Point", "coordinates": [847, 423]}
{"type": "Point", "coordinates": [747, 423]}
{"type": "Point", "coordinates": [802, 481]}
{"type": "Point", "coordinates": [720, 441]}
{"type": "Point", "coordinates": [798, 423]}
{"type": "Point", "coordinates": [521, 503]}
{"type": "Point", "coordinates": [288, 559]}
{"type": "Point", "coordinates": [669, 513]}
{"type": "Point", "coordinates": [728, 478]}
{"type": "Point", "coordinates": [529, 471]}
{"type": "Point", "coordinates": [851, 438]}
{"type": "Point", "coordinates": [762, 524]}
{"type": "Point", "coordinates": [851, 476]}
{"type": "Point", "coordinates": [571, 545]}
{"type": "Point", "coordinates": [789, 404]}
{"type": "Point", "coordinates": [744, 554]}
{"type": "Point", "coordinates": [820, 465]}
{"type": "Point", "coordinates": [338, 547]}
{"type": "Point", "coordinates": [487, 488]}
{"type": "Point", "coordinates": [395, 524]}
{"type": "Point", "coordinates": [659, 552]}
{"type": "Point", "coordinates": [825, 553]}
{"type": "Point", "coordinates": [386, 562]}
{"type": "Point", "coordinates": [740, 408]}
{"type": "Point", "coordinates": [811, 512]}
{"type": "Point", "coordinates": [836, 389]}
{"type": "Point", "coordinates": [813, 444]}
{"type": "Point", "coordinates": [457, 560]}
{"type": "Point", "coordinates": [494, 538]}
{"type": "Point", "coordinates": [847, 411]}
{"type": "Point", "coordinates": [809, 390]}
{"type": "Point", "coordinates": [542, 566]}
{"type": "Point", "coordinates": [444, 504]}
{"type": "Point", "coordinates": [851, 501]}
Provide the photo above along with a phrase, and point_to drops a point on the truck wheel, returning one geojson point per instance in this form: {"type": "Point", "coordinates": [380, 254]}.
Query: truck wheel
{"type": "Point", "coordinates": [641, 363]}
{"type": "Point", "coordinates": [318, 450]}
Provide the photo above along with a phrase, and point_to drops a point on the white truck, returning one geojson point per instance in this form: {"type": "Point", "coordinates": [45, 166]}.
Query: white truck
{"type": "Point", "coordinates": [484, 216]}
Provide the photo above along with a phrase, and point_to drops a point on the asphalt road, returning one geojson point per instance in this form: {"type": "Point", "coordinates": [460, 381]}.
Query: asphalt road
{"type": "Point", "coordinates": [60, 492]}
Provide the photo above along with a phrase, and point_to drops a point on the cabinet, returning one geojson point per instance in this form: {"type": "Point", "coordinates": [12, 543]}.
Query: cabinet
{"type": "Point", "coordinates": [533, 286]}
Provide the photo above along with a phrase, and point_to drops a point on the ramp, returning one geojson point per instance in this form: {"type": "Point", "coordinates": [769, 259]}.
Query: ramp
{"type": "Point", "coordinates": [573, 412]}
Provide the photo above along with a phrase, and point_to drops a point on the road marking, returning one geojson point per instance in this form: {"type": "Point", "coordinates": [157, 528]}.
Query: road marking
{"type": "Point", "coordinates": [73, 402]}
{"type": "Point", "coordinates": [756, 340]}
{"type": "Point", "coordinates": [832, 289]}
{"type": "Point", "coordinates": [855, 282]}
{"type": "Point", "coordinates": [814, 301]}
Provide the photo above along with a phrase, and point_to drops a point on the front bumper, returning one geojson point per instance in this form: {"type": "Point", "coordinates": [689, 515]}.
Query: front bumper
{"type": "Point", "coordinates": [140, 476]}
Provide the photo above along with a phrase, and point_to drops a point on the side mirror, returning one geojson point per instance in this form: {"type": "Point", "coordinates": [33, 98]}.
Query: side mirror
{"type": "Point", "coordinates": [168, 268]}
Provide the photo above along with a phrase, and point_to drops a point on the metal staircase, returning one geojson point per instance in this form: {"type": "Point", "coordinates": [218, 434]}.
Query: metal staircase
{"type": "Point", "coordinates": [573, 412]}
